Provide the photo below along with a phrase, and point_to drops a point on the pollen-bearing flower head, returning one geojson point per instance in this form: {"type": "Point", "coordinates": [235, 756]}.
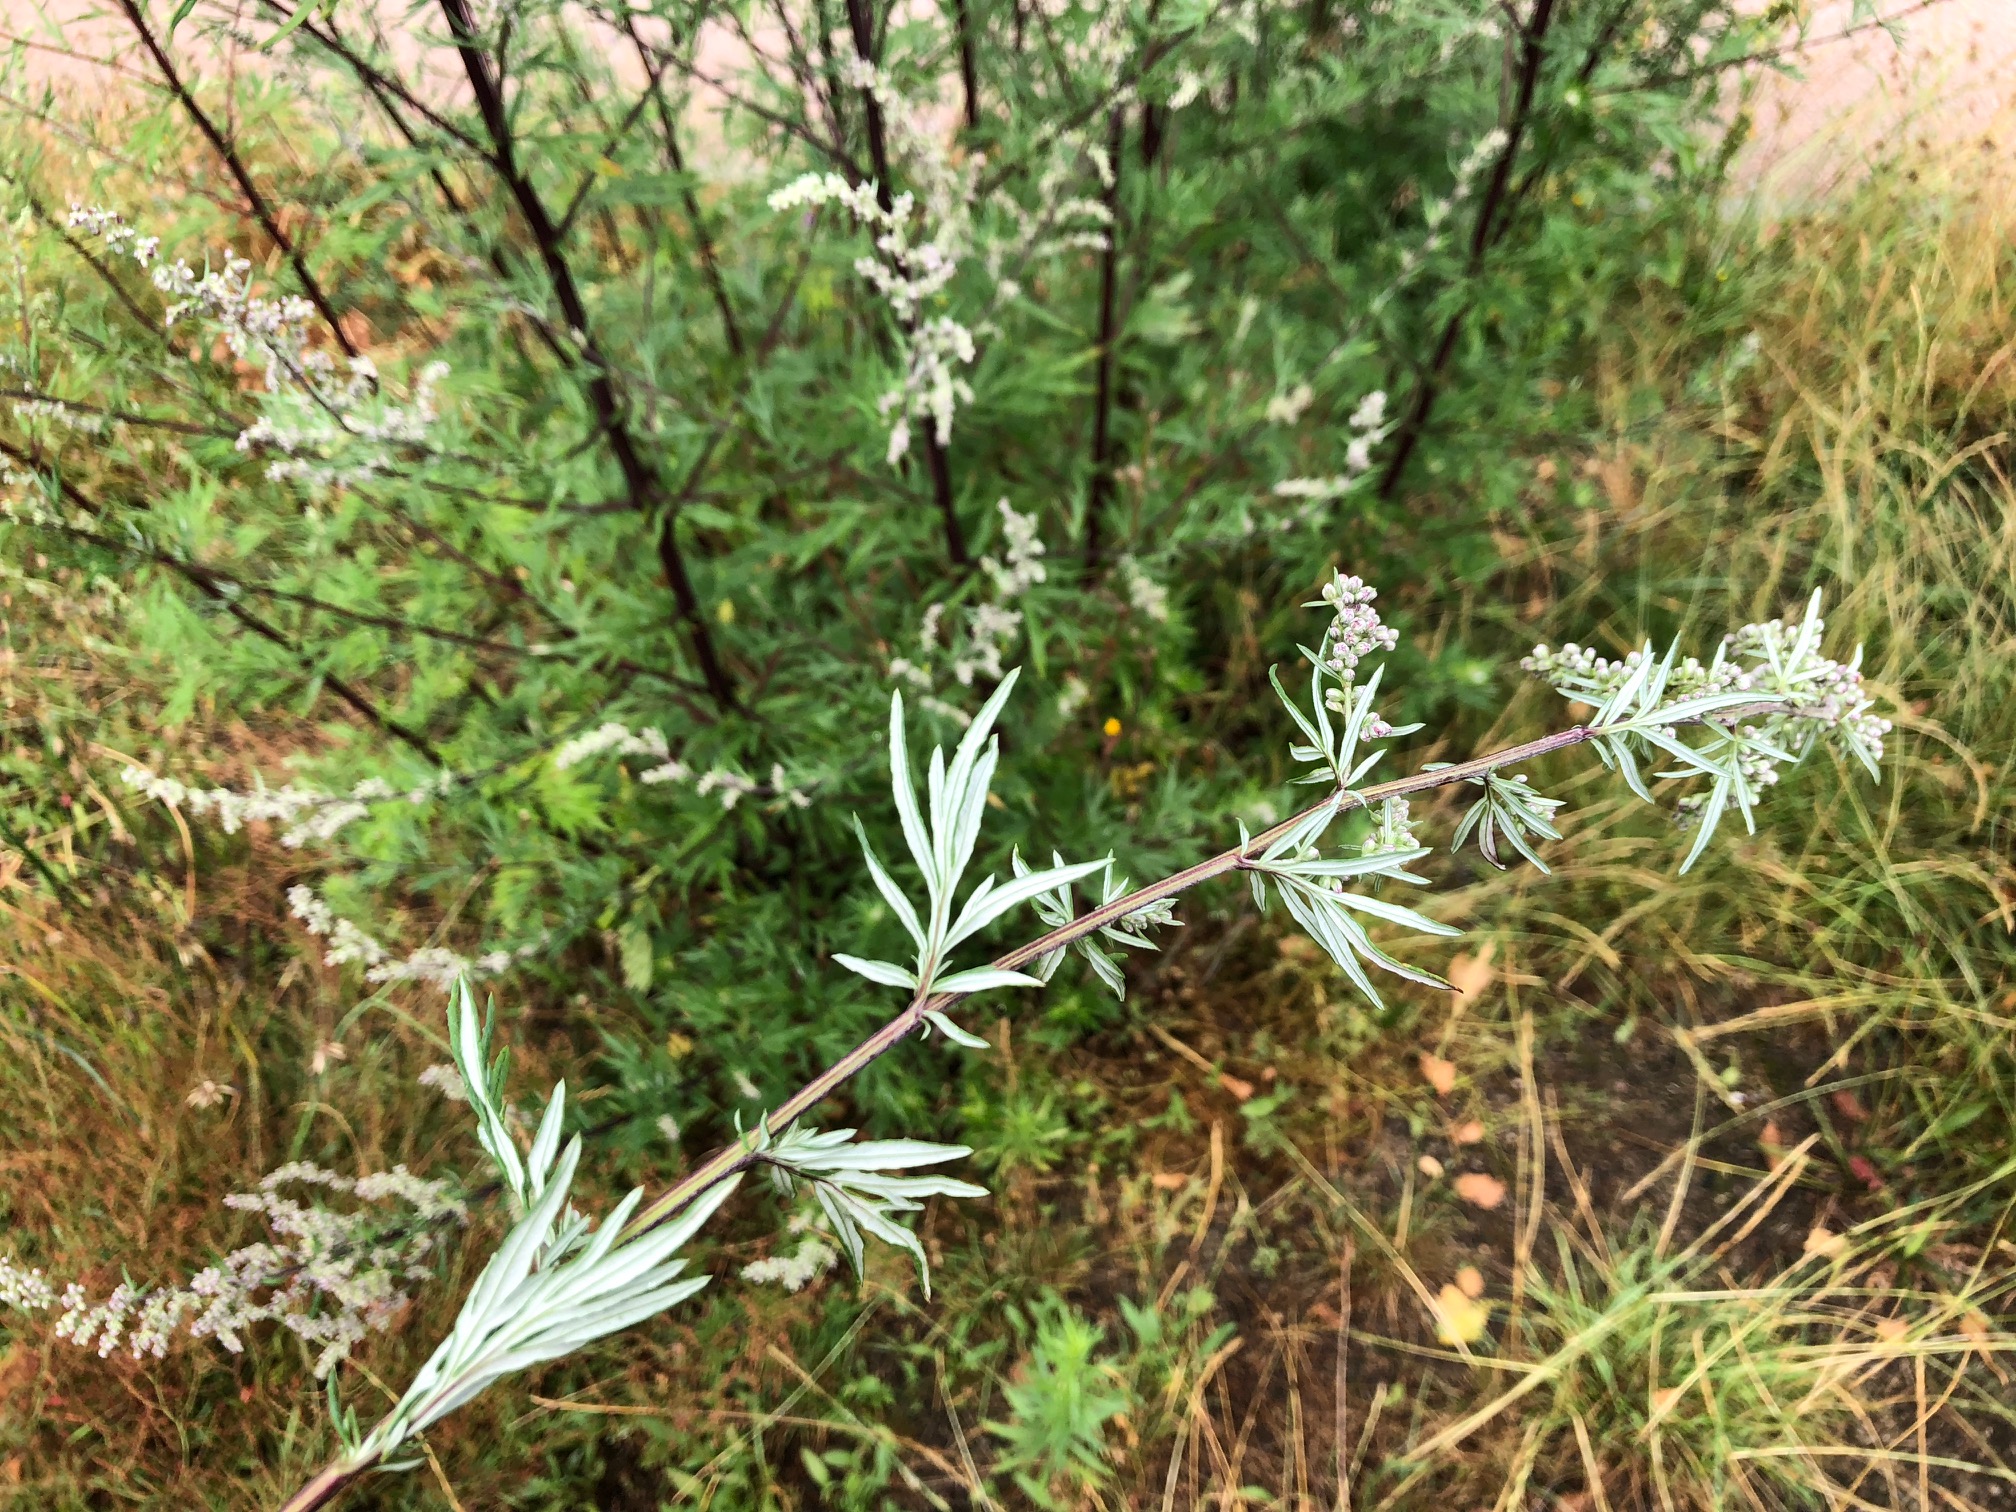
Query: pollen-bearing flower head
{"type": "Point", "coordinates": [1357, 631]}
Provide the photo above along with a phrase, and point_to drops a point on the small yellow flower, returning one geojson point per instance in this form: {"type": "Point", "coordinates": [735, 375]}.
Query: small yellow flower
{"type": "Point", "coordinates": [1111, 727]}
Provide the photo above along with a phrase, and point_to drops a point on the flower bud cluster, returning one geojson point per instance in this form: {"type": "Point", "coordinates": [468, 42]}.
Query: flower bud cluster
{"type": "Point", "coordinates": [1391, 831]}
{"type": "Point", "coordinates": [331, 433]}
{"type": "Point", "coordinates": [1829, 694]}
{"type": "Point", "coordinates": [923, 239]}
{"type": "Point", "coordinates": [1024, 550]}
{"type": "Point", "coordinates": [56, 412]}
{"type": "Point", "coordinates": [813, 1258]}
{"type": "Point", "coordinates": [1357, 631]}
{"type": "Point", "coordinates": [1774, 658]}
{"type": "Point", "coordinates": [1147, 597]}
{"type": "Point", "coordinates": [1811, 695]}
{"type": "Point", "coordinates": [1581, 673]}
{"type": "Point", "coordinates": [110, 227]}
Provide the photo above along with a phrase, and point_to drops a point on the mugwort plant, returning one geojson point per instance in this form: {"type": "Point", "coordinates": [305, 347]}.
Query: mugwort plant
{"type": "Point", "coordinates": [559, 1280]}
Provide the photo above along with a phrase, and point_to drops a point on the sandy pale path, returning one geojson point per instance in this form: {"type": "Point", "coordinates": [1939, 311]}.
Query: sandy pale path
{"type": "Point", "coordinates": [1946, 81]}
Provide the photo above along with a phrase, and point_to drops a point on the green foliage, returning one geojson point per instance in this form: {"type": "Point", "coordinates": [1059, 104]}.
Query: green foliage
{"type": "Point", "coordinates": [652, 487]}
{"type": "Point", "coordinates": [1059, 1403]}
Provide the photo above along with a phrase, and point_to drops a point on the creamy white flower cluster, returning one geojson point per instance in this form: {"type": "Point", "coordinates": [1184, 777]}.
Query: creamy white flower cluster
{"type": "Point", "coordinates": [1145, 596]}
{"type": "Point", "coordinates": [1368, 423]}
{"type": "Point", "coordinates": [924, 237]}
{"type": "Point", "coordinates": [813, 1258]}
{"type": "Point", "coordinates": [1059, 220]}
{"type": "Point", "coordinates": [329, 1277]}
{"type": "Point", "coordinates": [56, 412]}
{"type": "Point", "coordinates": [309, 815]}
{"type": "Point", "coordinates": [435, 965]}
{"type": "Point", "coordinates": [991, 626]}
{"type": "Point", "coordinates": [331, 430]}
{"type": "Point", "coordinates": [1368, 427]}
{"type": "Point", "coordinates": [621, 739]}
{"type": "Point", "coordinates": [1481, 152]}
{"type": "Point", "coordinates": [650, 742]}
{"type": "Point", "coordinates": [110, 227]}
{"type": "Point", "coordinates": [908, 272]}
{"type": "Point", "coordinates": [1024, 552]}
{"type": "Point", "coordinates": [273, 332]}
{"type": "Point", "coordinates": [333, 433]}
{"type": "Point", "coordinates": [446, 1080]}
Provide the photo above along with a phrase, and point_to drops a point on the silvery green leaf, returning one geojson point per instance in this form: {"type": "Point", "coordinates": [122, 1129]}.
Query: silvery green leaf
{"type": "Point", "coordinates": [1698, 760]}
{"type": "Point", "coordinates": [935, 810]}
{"type": "Point", "coordinates": [1359, 709]}
{"type": "Point", "coordinates": [1472, 817]}
{"type": "Point", "coordinates": [876, 1220]}
{"type": "Point", "coordinates": [1305, 832]}
{"type": "Point", "coordinates": [1320, 923]}
{"type": "Point", "coordinates": [870, 1154]}
{"type": "Point", "coordinates": [1394, 913]}
{"type": "Point", "coordinates": [843, 1227]}
{"type": "Point", "coordinates": [546, 1144]}
{"type": "Point", "coordinates": [856, 1196]}
{"type": "Point", "coordinates": [538, 1300]}
{"type": "Point", "coordinates": [1693, 708]}
{"type": "Point", "coordinates": [1349, 866]}
{"type": "Point", "coordinates": [982, 978]}
{"type": "Point", "coordinates": [1617, 753]}
{"type": "Point", "coordinates": [1361, 942]}
{"type": "Point", "coordinates": [968, 805]}
{"type": "Point", "coordinates": [1326, 736]}
{"type": "Point", "coordinates": [1123, 934]}
{"type": "Point", "coordinates": [1515, 835]}
{"type": "Point", "coordinates": [1809, 630]}
{"type": "Point", "coordinates": [914, 833]}
{"type": "Point", "coordinates": [887, 973]}
{"type": "Point", "coordinates": [1358, 772]}
{"type": "Point", "coordinates": [1318, 742]}
{"type": "Point", "coordinates": [954, 1033]}
{"type": "Point", "coordinates": [959, 798]}
{"type": "Point", "coordinates": [1620, 703]}
{"type": "Point", "coordinates": [483, 1078]}
{"type": "Point", "coordinates": [988, 902]}
{"type": "Point", "coordinates": [1711, 816]}
{"type": "Point", "coordinates": [1106, 969]}
{"type": "Point", "coordinates": [1739, 789]}
{"type": "Point", "coordinates": [1054, 907]}
{"type": "Point", "coordinates": [891, 893]}
{"type": "Point", "coordinates": [904, 1194]}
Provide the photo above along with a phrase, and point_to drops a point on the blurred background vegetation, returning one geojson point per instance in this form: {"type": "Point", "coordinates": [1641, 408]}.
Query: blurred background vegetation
{"type": "Point", "coordinates": [1693, 1194]}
